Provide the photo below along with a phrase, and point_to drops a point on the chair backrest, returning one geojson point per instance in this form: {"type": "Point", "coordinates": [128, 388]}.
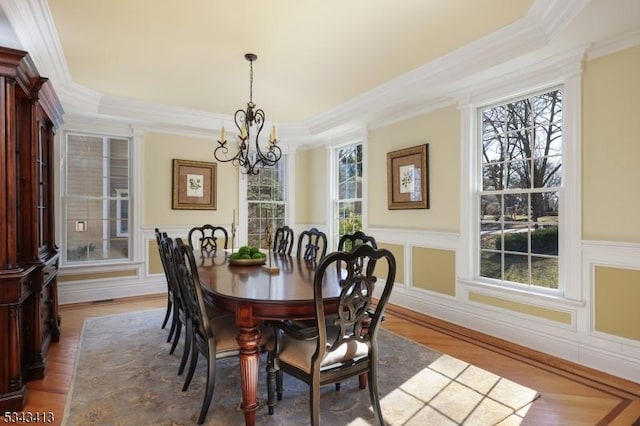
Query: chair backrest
{"type": "Point", "coordinates": [189, 280]}
{"type": "Point", "coordinates": [283, 240]}
{"type": "Point", "coordinates": [312, 245]}
{"type": "Point", "coordinates": [349, 242]}
{"type": "Point", "coordinates": [356, 296]}
{"type": "Point", "coordinates": [159, 235]}
{"type": "Point", "coordinates": [205, 238]}
{"type": "Point", "coordinates": [167, 256]}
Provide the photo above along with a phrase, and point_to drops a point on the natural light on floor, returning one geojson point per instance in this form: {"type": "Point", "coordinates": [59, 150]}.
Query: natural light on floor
{"type": "Point", "coordinates": [452, 392]}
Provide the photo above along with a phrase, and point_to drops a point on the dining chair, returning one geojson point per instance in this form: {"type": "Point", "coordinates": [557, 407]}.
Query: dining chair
{"type": "Point", "coordinates": [206, 239]}
{"type": "Point", "coordinates": [170, 296]}
{"type": "Point", "coordinates": [314, 244]}
{"type": "Point", "coordinates": [180, 311]}
{"type": "Point", "coordinates": [283, 240]}
{"type": "Point", "coordinates": [332, 352]}
{"type": "Point", "coordinates": [214, 335]}
{"type": "Point", "coordinates": [348, 242]}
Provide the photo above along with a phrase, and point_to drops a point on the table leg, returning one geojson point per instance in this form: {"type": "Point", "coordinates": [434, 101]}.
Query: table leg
{"type": "Point", "coordinates": [249, 341]}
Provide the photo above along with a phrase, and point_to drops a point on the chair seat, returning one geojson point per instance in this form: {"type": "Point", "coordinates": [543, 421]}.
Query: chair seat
{"type": "Point", "coordinates": [299, 352]}
{"type": "Point", "coordinates": [226, 332]}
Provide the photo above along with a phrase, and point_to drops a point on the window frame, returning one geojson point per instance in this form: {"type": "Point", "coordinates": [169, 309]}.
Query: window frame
{"type": "Point", "coordinates": [284, 202]}
{"type": "Point", "coordinates": [570, 286]}
{"type": "Point", "coordinates": [514, 192]}
{"type": "Point", "coordinates": [332, 176]}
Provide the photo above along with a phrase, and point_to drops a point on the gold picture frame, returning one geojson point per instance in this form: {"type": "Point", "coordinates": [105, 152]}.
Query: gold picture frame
{"type": "Point", "coordinates": [194, 185]}
{"type": "Point", "coordinates": [408, 178]}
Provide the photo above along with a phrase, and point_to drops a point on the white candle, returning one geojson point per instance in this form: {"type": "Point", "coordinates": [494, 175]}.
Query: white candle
{"type": "Point", "coordinates": [222, 134]}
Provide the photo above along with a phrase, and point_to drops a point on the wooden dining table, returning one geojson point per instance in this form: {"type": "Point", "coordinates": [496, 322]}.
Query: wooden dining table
{"type": "Point", "coordinates": [255, 295]}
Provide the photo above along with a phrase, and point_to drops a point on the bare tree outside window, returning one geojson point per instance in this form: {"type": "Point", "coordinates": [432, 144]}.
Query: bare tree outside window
{"type": "Point", "coordinates": [521, 188]}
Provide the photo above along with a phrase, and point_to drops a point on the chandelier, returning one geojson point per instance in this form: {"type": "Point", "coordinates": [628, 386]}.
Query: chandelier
{"type": "Point", "coordinates": [250, 157]}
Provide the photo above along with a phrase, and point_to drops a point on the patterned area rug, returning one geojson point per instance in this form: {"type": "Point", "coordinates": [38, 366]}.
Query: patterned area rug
{"type": "Point", "coordinates": [125, 376]}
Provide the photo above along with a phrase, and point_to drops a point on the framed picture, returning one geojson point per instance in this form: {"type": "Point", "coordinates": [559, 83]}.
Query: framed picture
{"type": "Point", "coordinates": [408, 178]}
{"type": "Point", "coordinates": [194, 185]}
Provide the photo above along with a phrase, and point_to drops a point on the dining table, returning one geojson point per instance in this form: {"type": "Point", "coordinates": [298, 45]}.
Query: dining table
{"type": "Point", "coordinates": [282, 289]}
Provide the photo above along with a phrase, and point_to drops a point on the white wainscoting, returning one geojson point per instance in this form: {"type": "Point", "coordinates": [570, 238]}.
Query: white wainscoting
{"type": "Point", "coordinates": [577, 342]}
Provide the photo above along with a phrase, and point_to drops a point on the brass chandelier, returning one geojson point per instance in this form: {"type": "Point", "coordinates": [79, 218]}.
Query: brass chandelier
{"type": "Point", "coordinates": [250, 157]}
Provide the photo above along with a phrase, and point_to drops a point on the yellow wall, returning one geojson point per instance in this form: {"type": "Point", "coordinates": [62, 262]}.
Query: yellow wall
{"type": "Point", "coordinates": [398, 253]}
{"type": "Point", "coordinates": [617, 292]}
{"type": "Point", "coordinates": [303, 189]}
{"type": "Point", "coordinates": [441, 130]}
{"type": "Point", "coordinates": [536, 311]}
{"type": "Point", "coordinates": [611, 147]}
{"type": "Point", "coordinates": [159, 151]}
{"type": "Point", "coordinates": [154, 261]}
{"type": "Point", "coordinates": [317, 186]}
{"type": "Point", "coordinates": [98, 275]}
{"type": "Point", "coordinates": [434, 270]}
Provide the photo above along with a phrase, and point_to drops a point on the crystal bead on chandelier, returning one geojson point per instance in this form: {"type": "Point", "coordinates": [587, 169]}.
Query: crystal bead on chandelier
{"type": "Point", "coordinates": [250, 158]}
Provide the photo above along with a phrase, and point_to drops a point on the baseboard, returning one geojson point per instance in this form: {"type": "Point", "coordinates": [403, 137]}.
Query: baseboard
{"type": "Point", "coordinates": [79, 292]}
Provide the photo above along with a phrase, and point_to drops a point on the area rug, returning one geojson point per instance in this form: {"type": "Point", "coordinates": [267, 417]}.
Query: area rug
{"type": "Point", "coordinates": [124, 375]}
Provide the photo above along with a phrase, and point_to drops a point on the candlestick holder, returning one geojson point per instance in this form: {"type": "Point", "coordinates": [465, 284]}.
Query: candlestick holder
{"type": "Point", "coordinates": [269, 267]}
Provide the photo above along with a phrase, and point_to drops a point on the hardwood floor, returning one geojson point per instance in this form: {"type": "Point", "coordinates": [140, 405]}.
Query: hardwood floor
{"type": "Point", "coordinates": [571, 394]}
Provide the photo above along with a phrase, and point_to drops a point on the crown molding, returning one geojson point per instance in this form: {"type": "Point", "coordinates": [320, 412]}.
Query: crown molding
{"type": "Point", "coordinates": [616, 44]}
{"type": "Point", "coordinates": [36, 32]}
{"type": "Point", "coordinates": [439, 83]}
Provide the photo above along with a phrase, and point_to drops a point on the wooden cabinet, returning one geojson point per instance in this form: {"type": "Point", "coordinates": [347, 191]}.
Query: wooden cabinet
{"type": "Point", "coordinates": [29, 321]}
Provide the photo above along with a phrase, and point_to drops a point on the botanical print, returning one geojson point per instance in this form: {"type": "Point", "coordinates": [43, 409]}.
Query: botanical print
{"type": "Point", "coordinates": [195, 185]}
{"type": "Point", "coordinates": [407, 178]}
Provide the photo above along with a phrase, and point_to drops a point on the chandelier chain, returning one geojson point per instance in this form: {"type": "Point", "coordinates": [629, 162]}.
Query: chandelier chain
{"type": "Point", "coordinates": [251, 82]}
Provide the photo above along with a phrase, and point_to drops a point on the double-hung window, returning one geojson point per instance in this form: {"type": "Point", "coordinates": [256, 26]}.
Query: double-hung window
{"type": "Point", "coordinates": [95, 198]}
{"type": "Point", "coordinates": [348, 202]}
{"type": "Point", "coordinates": [520, 144]}
{"type": "Point", "coordinates": [266, 197]}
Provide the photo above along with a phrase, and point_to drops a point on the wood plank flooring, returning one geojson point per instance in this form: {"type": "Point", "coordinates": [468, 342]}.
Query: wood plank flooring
{"type": "Point", "coordinates": [571, 394]}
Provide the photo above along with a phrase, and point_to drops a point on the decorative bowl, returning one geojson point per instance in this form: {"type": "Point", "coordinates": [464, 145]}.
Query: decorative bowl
{"type": "Point", "coordinates": [247, 262]}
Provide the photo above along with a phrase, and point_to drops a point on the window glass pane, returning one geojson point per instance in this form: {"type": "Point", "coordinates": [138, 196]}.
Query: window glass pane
{"type": "Point", "coordinates": [516, 268]}
{"type": "Point", "coordinates": [490, 207]}
{"type": "Point", "coordinates": [491, 265]}
{"type": "Point", "coordinates": [544, 272]}
{"type": "Point", "coordinates": [518, 175]}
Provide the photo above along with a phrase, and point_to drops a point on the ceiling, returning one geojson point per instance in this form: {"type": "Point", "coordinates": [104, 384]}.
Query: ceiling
{"type": "Point", "coordinates": [314, 58]}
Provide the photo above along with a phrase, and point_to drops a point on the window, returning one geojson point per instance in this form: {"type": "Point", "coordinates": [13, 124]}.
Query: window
{"type": "Point", "coordinates": [96, 203]}
{"type": "Point", "coordinates": [348, 204]}
{"type": "Point", "coordinates": [266, 202]}
{"type": "Point", "coordinates": [521, 149]}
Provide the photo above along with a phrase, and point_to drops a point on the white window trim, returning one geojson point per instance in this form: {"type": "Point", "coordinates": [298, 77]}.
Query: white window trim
{"type": "Point", "coordinates": [570, 287]}
{"type": "Point", "coordinates": [99, 127]}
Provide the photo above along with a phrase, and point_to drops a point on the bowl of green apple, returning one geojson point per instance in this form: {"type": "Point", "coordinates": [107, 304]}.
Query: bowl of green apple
{"type": "Point", "coordinates": [247, 256]}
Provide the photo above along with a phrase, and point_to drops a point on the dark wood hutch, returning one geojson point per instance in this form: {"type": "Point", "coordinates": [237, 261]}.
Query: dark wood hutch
{"type": "Point", "coordinates": [29, 319]}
